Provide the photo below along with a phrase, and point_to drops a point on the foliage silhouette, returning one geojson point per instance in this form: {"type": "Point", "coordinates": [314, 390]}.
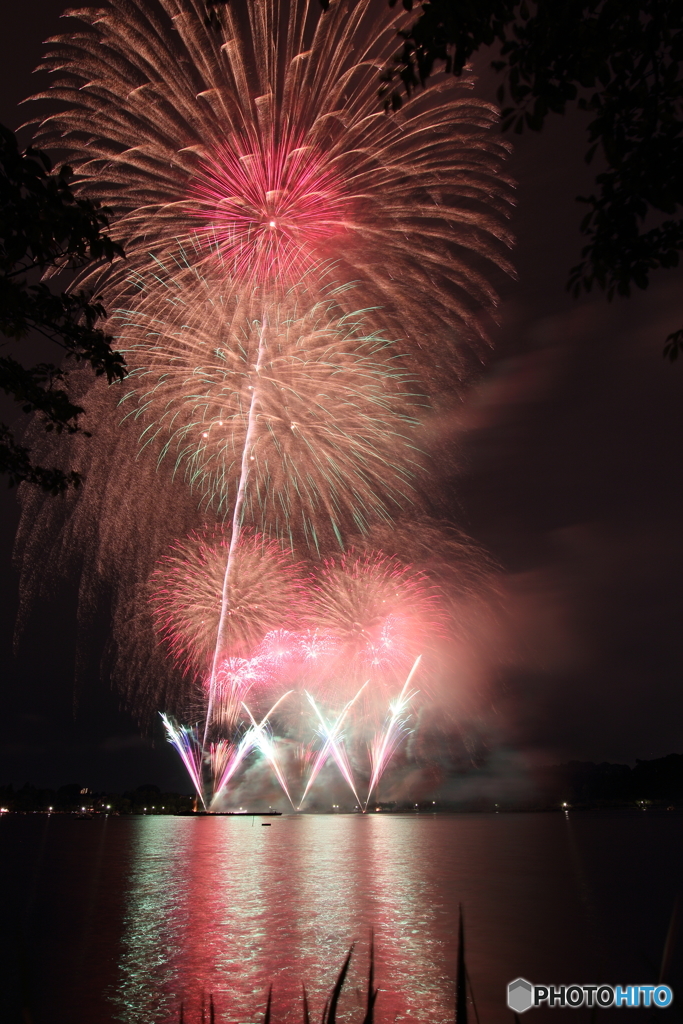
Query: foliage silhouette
{"type": "Point", "coordinates": [44, 230]}
{"type": "Point", "coordinates": [618, 60]}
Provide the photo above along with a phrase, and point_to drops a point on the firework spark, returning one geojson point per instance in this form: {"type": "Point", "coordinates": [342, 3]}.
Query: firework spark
{"type": "Point", "coordinates": [267, 208]}
{"type": "Point", "coordinates": [261, 140]}
{"type": "Point", "coordinates": [186, 593]}
{"type": "Point", "coordinates": [332, 746]}
{"type": "Point", "coordinates": [263, 741]}
{"type": "Point", "coordinates": [292, 423]}
{"type": "Point", "coordinates": [247, 164]}
{"type": "Point", "coordinates": [384, 744]}
{"type": "Point", "coordinates": [295, 418]}
{"type": "Point", "coordinates": [382, 611]}
{"type": "Point", "coordinates": [186, 742]}
{"type": "Point", "coordinates": [220, 754]}
{"type": "Point", "coordinates": [254, 737]}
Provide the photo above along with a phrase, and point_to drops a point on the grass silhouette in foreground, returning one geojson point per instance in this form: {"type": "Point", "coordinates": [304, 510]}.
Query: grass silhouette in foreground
{"type": "Point", "coordinates": [464, 995]}
{"type": "Point", "coordinates": [329, 1014]}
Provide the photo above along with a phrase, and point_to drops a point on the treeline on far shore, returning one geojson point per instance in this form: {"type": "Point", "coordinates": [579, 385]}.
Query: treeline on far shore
{"type": "Point", "coordinates": [75, 798]}
{"type": "Point", "coordinates": [584, 783]}
{"type": "Point", "coordinates": [575, 784]}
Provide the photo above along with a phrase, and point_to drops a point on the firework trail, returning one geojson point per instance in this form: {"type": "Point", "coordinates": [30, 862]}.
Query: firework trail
{"type": "Point", "coordinates": [245, 155]}
{"type": "Point", "coordinates": [385, 742]}
{"type": "Point", "coordinates": [214, 600]}
{"type": "Point", "coordinates": [254, 588]}
{"type": "Point", "coordinates": [224, 631]}
{"type": "Point", "coordinates": [332, 746]}
{"type": "Point", "coordinates": [220, 754]}
{"type": "Point", "coordinates": [268, 593]}
{"type": "Point", "coordinates": [259, 141]}
{"type": "Point", "coordinates": [263, 742]}
{"type": "Point", "coordinates": [294, 422]}
{"type": "Point", "coordinates": [186, 742]}
{"type": "Point", "coordinates": [236, 755]}
{"type": "Point", "coordinates": [252, 738]}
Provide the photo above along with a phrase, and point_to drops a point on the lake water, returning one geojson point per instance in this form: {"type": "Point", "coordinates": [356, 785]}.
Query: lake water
{"type": "Point", "coordinates": [121, 919]}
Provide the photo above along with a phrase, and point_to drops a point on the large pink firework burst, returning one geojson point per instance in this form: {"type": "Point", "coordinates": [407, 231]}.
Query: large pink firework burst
{"type": "Point", "coordinates": [382, 612]}
{"type": "Point", "coordinates": [267, 207]}
{"type": "Point", "coordinates": [267, 593]}
{"type": "Point", "coordinates": [261, 141]}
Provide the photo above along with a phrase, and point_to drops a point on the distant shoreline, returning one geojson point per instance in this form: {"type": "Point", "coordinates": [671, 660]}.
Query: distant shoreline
{"type": "Point", "coordinates": [577, 785]}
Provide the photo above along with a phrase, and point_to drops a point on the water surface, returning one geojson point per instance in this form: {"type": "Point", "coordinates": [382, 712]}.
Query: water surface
{"type": "Point", "coordinates": [121, 919]}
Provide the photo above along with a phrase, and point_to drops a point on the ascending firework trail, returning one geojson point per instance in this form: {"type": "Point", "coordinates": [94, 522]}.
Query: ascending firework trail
{"type": "Point", "coordinates": [223, 633]}
{"type": "Point", "coordinates": [314, 404]}
{"type": "Point", "coordinates": [300, 422]}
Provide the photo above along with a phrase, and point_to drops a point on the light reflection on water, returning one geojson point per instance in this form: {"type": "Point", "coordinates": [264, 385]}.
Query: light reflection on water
{"type": "Point", "coordinates": [124, 918]}
{"type": "Point", "coordinates": [228, 906]}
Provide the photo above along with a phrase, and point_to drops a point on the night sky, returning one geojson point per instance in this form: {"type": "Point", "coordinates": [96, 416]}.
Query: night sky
{"type": "Point", "coordinates": [568, 471]}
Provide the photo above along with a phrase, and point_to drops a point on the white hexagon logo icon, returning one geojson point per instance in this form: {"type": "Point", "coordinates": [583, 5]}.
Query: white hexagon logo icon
{"type": "Point", "coordinates": [520, 995]}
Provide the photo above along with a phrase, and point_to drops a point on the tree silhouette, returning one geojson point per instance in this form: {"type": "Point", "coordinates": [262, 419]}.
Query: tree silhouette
{"type": "Point", "coordinates": [44, 227]}
{"type": "Point", "coordinates": [618, 60]}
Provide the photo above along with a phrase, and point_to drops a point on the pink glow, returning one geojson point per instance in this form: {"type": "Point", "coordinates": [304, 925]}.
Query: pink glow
{"type": "Point", "coordinates": [186, 598]}
{"type": "Point", "coordinates": [268, 206]}
{"type": "Point", "coordinates": [383, 613]}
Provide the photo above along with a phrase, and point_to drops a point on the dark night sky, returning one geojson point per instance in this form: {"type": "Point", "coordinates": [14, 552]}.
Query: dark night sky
{"type": "Point", "coordinates": [570, 473]}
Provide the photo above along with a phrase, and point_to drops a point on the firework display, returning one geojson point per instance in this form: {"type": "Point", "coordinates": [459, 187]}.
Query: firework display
{"type": "Point", "coordinates": [305, 279]}
{"type": "Point", "coordinates": [256, 136]}
{"type": "Point", "coordinates": [385, 742]}
{"type": "Point", "coordinates": [319, 414]}
{"type": "Point", "coordinates": [268, 588]}
{"type": "Point", "coordinates": [383, 612]}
